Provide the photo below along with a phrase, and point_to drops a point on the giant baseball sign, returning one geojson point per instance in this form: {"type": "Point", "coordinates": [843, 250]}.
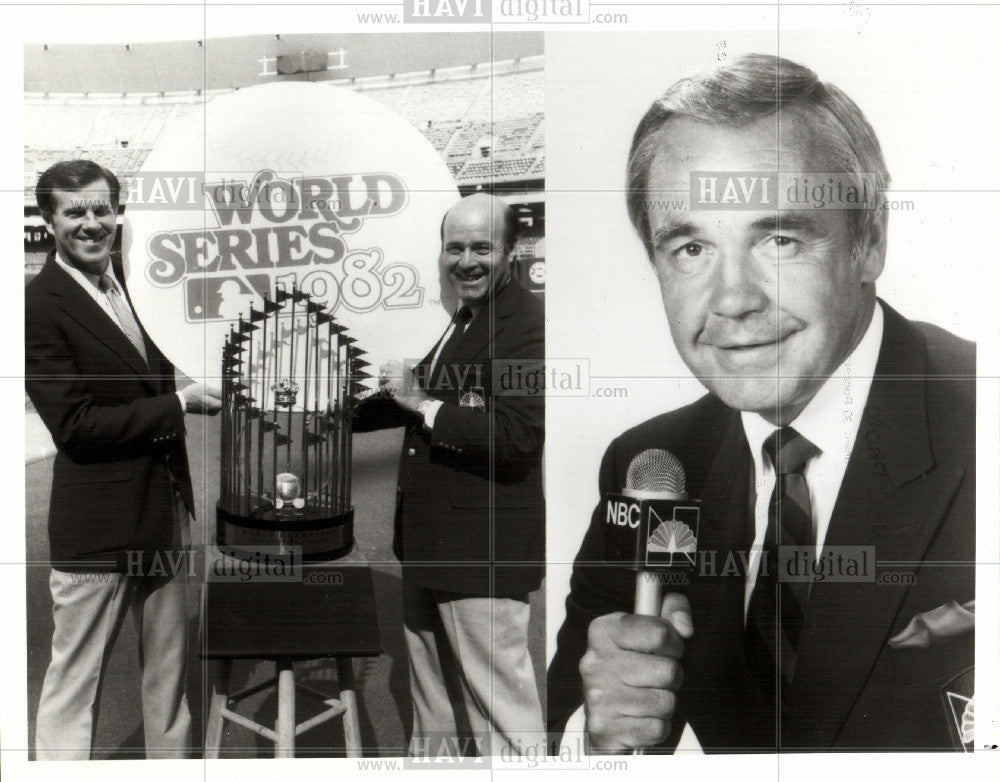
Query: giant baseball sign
{"type": "Point", "coordinates": [295, 185]}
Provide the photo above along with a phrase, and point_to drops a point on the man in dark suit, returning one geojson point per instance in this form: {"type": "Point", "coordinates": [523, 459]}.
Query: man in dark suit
{"type": "Point", "coordinates": [836, 433]}
{"type": "Point", "coordinates": [470, 512]}
{"type": "Point", "coordinates": [121, 490]}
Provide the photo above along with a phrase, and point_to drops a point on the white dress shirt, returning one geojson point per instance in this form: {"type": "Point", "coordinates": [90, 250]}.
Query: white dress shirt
{"type": "Point", "coordinates": [830, 422]}
{"type": "Point", "coordinates": [91, 285]}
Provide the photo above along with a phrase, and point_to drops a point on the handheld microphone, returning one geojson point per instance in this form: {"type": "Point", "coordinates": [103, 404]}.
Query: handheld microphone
{"type": "Point", "coordinates": [652, 524]}
{"type": "Point", "coordinates": [654, 474]}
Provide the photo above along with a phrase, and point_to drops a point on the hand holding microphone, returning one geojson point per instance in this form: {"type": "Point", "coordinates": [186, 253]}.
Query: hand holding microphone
{"type": "Point", "coordinates": [631, 670]}
{"type": "Point", "coordinates": [631, 673]}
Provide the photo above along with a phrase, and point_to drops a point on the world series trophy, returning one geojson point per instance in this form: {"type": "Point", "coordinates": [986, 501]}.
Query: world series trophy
{"type": "Point", "coordinates": [290, 382]}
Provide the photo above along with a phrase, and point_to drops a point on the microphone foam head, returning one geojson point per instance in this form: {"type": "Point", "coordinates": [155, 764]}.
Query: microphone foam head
{"type": "Point", "coordinates": [655, 470]}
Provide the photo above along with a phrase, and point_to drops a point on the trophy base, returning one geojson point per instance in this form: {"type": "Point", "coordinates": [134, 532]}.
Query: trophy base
{"type": "Point", "coordinates": [318, 539]}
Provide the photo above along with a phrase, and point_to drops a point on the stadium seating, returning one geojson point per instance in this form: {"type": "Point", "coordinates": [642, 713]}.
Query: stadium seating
{"type": "Point", "coordinates": [538, 140]}
{"type": "Point", "coordinates": [118, 136]}
{"type": "Point", "coordinates": [495, 169]}
{"type": "Point", "coordinates": [454, 115]}
{"type": "Point", "coordinates": [433, 100]}
{"type": "Point", "coordinates": [509, 95]}
{"type": "Point", "coordinates": [454, 111]}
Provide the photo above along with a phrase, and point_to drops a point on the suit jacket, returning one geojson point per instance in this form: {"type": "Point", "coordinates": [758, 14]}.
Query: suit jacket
{"type": "Point", "coordinates": [909, 491]}
{"type": "Point", "coordinates": [117, 425]}
{"type": "Point", "coordinates": [470, 515]}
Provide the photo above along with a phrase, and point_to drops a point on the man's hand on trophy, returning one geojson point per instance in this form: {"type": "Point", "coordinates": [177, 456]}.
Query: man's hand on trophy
{"type": "Point", "coordinates": [203, 399]}
{"type": "Point", "coordinates": [395, 380]}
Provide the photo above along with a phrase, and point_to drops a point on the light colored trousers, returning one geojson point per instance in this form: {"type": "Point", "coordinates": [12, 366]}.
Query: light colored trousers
{"type": "Point", "coordinates": [88, 609]}
{"type": "Point", "coordinates": [470, 672]}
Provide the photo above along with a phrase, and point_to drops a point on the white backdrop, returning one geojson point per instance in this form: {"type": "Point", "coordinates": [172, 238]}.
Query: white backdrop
{"type": "Point", "coordinates": [928, 86]}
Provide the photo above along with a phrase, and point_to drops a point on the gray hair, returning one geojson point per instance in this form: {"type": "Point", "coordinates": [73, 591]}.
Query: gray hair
{"type": "Point", "coordinates": [749, 88]}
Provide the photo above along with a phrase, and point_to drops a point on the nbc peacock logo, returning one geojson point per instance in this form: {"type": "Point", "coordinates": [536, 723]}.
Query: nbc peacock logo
{"type": "Point", "coordinates": [673, 541]}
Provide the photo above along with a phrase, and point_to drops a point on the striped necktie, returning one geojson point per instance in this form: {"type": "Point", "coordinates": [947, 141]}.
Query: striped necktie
{"type": "Point", "coordinates": [123, 312]}
{"type": "Point", "coordinates": [777, 605]}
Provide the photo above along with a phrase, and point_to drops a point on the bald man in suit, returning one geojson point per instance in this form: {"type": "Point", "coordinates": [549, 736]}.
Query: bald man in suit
{"type": "Point", "coordinates": [470, 521]}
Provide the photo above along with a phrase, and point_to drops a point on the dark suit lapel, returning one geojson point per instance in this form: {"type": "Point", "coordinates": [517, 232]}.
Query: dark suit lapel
{"type": "Point", "coordinates": [892, 498]}
{"type": "Point", "coordinates": [425, 362]}
{"type": "Point", "coordinates": [477, 336]}
{"type": "Point", "coordinates": [476, 341]}
{"type": "Point", "coordinates": [79, 306]}
{"type": "Point", "coordinates": [433, 382]}
{"type": "Point", "coordinates": [487, 323]}
{"type": "Point", "coordinates": [721, 708]}
{"type": "Point", "coordinates": [725, 524]}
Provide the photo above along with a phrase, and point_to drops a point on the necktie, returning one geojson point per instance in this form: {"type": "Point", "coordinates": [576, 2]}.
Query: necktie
{"type": "Point", "coordinates": [447, 354]}
{"type": "Point", "coordinates": [777, 605]}
{"type": "Point", "coordinates": [123, 311]}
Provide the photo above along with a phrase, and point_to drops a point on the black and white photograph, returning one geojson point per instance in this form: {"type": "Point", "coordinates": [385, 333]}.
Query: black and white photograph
{"type": "Point", "coordinates": [763, 536]}
{"type": "Point", "coordinates": [501, 386]}
{"type": "Point", "coordinates": [273, 286]}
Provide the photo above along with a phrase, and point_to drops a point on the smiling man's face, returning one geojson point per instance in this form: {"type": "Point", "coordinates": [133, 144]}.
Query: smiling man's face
{"type": "Point", "coordinates": [83, 224]}
{"type": "Point", "coordinates": [473, 253]}
{"type": "Point", "coordinates": [763, 305]}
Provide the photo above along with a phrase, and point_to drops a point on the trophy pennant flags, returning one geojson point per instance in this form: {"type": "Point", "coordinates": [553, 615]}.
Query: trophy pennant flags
{"type": "Point", "coordinates": [291, 380]}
